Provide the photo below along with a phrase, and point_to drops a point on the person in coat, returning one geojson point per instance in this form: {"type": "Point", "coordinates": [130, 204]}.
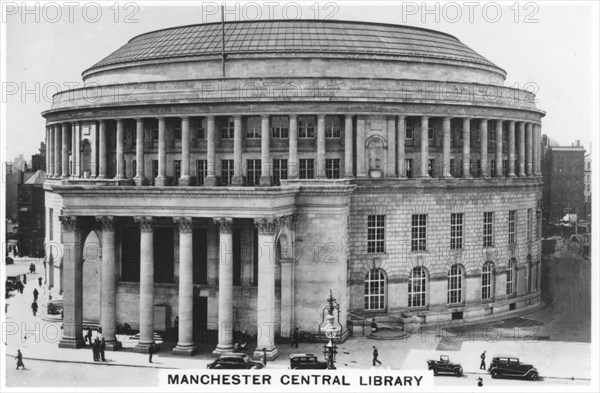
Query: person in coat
{"type": "Point", "coordinates": [102, 349]}
{"type": "Point", "coordinates": [34, 307]}
{"type": "Point", "coordinates": [150, 352]}
{"type": "Point", "coordinates": [20, 359]}
{"type": "Point", "coordinates": [35, 294]}
{"type": "Point", "coordinates": [482, 364]}
{"type": "Point", "coordinates": [375, 355]}
{"type": "Point", "coordinates": [96, 349]}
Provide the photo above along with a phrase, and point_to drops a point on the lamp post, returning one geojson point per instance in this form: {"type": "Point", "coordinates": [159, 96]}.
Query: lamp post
{"type": "Point", "coordinates": [331, 329]}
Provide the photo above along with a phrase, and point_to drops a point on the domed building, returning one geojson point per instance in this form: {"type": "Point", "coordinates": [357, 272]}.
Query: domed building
{"type": "Point", "coordinates": [215, 186]}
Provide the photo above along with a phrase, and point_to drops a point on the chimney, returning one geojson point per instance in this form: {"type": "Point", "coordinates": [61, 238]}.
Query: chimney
{"type": "Point", "coordinates": [577, 142]}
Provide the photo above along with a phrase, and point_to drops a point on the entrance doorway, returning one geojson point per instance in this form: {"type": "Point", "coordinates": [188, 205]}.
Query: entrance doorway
{"type": "Point", "coordinates": [200, 315]}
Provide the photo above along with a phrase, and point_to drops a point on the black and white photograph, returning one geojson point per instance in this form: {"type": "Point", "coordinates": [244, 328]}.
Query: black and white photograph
{"type": "Point", "coordinates": [299, 196]}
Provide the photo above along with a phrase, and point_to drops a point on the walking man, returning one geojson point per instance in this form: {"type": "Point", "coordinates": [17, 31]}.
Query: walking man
{"type": "Point", "coordinates": [35, 294]}
{"type": "Point", "coordinates": [482, 365]}
{"type": "Point", "coordinates": [95, 352]}
{"type": "Point", "coordinates": [295, 338]}
{"type": "Point", "coordinates": [150, 352]}
{"type": "Point", "coordinates": [34, 307]}
{"type": "Point", "coordinates": [375, 355]}
{"type": "Point", "coordinates": [96, 348]}
{"type": "Point", "coordinates": [20, 359]}
{"type": "Point", "coordinates": [40, 280]}
{"type": "Point", "coordinates": [102, 349]}
{"type": "Point", "coordinates": [88, 336]}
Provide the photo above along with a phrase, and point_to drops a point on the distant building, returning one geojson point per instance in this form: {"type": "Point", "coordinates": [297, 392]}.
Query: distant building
{"type": "Point", "coordinates": [31, 215]}
{"type": "Point", "coordinates": [587, 179]}
{"type": "Point", "coordinates": [564, 185]}
{"type": "Point", "coordinates": [38, 161]}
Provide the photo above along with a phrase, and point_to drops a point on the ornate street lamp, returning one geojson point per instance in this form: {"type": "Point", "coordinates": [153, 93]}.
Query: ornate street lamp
{"type": "Point", "coordinates": [331, 329]}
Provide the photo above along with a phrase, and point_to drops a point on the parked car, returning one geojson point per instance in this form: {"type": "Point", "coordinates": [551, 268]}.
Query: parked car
{"type": "Point", "coordinates": [304, 361]}
{"type": "Point", "coordinates": [509, 366]}
{"type": "Point", "coordinates": [445, 366]}
{"type": "Point", "coordinates": [9, 261]}
{"type": "Point", "coordinates": [237, 361]}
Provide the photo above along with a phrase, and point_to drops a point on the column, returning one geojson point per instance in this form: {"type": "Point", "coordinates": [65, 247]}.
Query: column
{"type": "Point", "coordinates": [293, 163]}
{"type": "Point", "coordinates": [50, 150]}
{"type": "Point", "coordinates": [103, 153]}
{"type": "Point", "coordinates": [446, 148]}
{"type": "Point", "coordinates": [391, 148]}
{"type": "Point", "coordinates": [185, 343]}
{"type": "Point", "coordinates": [76, 148]}
{"type": "Point", "coordinates": [267, 229]}
{"type": "Point", "coordinates": [184, 180]}
{"type": "Point", "coordinates": [140, 176]}
{"type": "Point", "coordinates": [146, 284]}
{"type": "Point", "coordinates": [72, 145]}
{"type": "Point", "coordinates": [65, 150]}
{"type": "Point", "coordinates": [57, 150]}
{"type": "Point", "coordinates": [225, 285]}
{"type": "Point", "coordinates": [321, 147]}
{"type": "Point", "coordinates": [265, 154]}
{"type": "Point", "coordinates": [484, 148]}
{"type": "Point", "coordinates": [401, 154]}
{"type": "Point", "coordinates": [536, 149]}
{"type": "Point", "coordinates": [511, 149]}
{"type": "Point", "coordinates": [161, 179]}
{"type": "Point", "coordinates": [348, 148]}
{"type": "Point", "coordinates": [238, 177]}
{"type": "Point", "coordinates": [466, 148]}
{"type": "Point", "coordinates": [424, 147]}
{"type": "Point", "coordinates": [211, 179]}
{"type": "Point", "coordinates": [287, 297]}
{"type": "Point", "coordinates": [499, 156]}
{"type": "Point", "coordinates": [120, 151]}
{"type": "Point", "coordinates": [108, 315]}
{"type": "Point", "coordinates": [521, 149]}
{"type": "Point", "coordinates": [72, 265]}
{"type": "Point", "coordinates": [361, 171]}
{"type": "Point", "coordinates": [529, 149]}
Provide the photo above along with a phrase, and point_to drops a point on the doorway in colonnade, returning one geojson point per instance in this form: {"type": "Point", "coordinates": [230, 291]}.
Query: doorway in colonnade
{"type": "Point", "coordinates": [91, 273]}
{"type": "Point", "coordinates": [200, 317]}
{"type": "Point", "coordinates": [86, 159]}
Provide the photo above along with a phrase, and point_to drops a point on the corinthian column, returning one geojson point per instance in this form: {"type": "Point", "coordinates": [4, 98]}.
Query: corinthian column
{"type": "Point", "coordinates": [140, 176]}
{"type": "Point", "coordinates": [120, 150]}
{"type": "Point", "coordinates": [511, 149]}
{"type": "Point", "coordinates": [265, 154]}
{"type": "Point", "coordinates": [484, 148]}
{"type": "Point", "coordinates": [185, 343]}
{"type": "Point", "coordinates": [146, 284]}
{"type": "Point", "coordinates": [466, 148]}
{"type": "Point", "coordinates": [293, 157]}
{"type": "Point", "coordinates": [184, 180]}
{"type": "Point", "coordinates": [521, 149]}
{"type": "Point", "coordinates": [225, 285]}
{"type": "Point", "coordinates": [446, 148]}
{"type": "Point", "coordinates": [425, 147]}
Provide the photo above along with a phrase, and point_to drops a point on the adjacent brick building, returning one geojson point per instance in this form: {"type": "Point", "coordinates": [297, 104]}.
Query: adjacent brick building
{"type": "Point", "coordinates": [236, 191]}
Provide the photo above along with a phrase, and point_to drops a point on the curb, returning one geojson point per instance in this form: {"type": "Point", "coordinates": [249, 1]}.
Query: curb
{"type": "Point", "coordinates": [99, 363]}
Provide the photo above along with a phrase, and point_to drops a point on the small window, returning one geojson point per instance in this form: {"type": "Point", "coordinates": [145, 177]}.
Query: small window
{"type": "Point", "coordinates": [419, 232]}
{"type": "Point", "coordinates": [431, 130]}
{"type": "Point", "coordinates": [487, 281]}
{"type": "Point", "coordinates": [253, 172]}
{"type": "Point", "coordinates": [410, 131]}
{"type": "Point", "coordinates": [307, 169]}
{"type": "Point", "coordinates": [431, 167]}
{"type": "Point", "coordinates": [376, 234]}
{"type": "Point", "coordinates": [512, 219]}
{"type": "Point", "coordinates": [226, 172]}
{"type": "Point", "coordinates": [456, 231]}
{"type": "Point", "coordinates": [306, 127]}
{"type": "Point", "coordinates": [455, 279]}
{"type": "Point", "coordinates": [417, 287]}
{"type": "Point", "coordinates": [200, 172]}
{"type": "Point", "coordinates": [332, 168]}
{"type": "Point", "coordinates": [511, 275]}
{"type": "Point", "coordinates": [409, 167]}
{"type": "Point", "coordinates": [488, 229]}
{"type": "Point", "coordinates": [177, 169]}
{"type": "Point", "coordinates": [332, 127]}
{"type": "Point", "coordinates": [375, 283]}
{"type": "Point", "coordinates": [253, 127]}
{"type": "Point", "coordinates": [201, 129]}
{"type": "Point", "coordinates": [280, 127]}
{"type": "Point", "coordinates": [280, 171]}
{"type": "Point", "coordinates": [227, 130]}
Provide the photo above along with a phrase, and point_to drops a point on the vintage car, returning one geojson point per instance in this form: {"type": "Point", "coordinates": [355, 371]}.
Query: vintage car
{"type": "Point", "coordinates": [510, 366]}
{"type": "Point", "coordinates": [302, 361]}
{"type": "Point", "coordinates": [444, 366]}
{"type": "Point", "coordinates": [237, 361]}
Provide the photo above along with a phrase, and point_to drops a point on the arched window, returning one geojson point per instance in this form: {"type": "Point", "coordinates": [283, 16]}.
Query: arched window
{"type": "Point", "coordinates": [455, 280]}
{"type": "Point", "coordinates": [417, 287]}
{"type": "Point", "coordinates": [487, 281]}
{"type": "Point", "coordinates": [511, 276]}
{"type": "Point", "coordinates": [375, 283]}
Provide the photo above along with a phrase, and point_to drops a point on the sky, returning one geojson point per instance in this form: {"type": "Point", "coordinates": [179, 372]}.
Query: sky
{"type": "Point", "coordinates": [549, 47]}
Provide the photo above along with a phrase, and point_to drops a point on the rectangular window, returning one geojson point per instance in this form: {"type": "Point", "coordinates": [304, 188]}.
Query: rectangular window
{"type": "Point", "coordinates": [431, 130]}
{"type": "Point", "coordinates": [227, 130]}
{"type": "Point", "coordinates": [307, 169]}
{"type": "Point", "coordinates": [226, 172]}
{"type": "Point", "coordinates": [456, 231]}
{"type": "Point", "coordinates": [253, 127]}
{"type": "Point", "coordinates": [279, 171]}
{"type": "Point", "coordinates": [505, 131]}
{"type": "Point", "coordinates": [431, 167]}
{"type": "Point", "coordinates": [200, 172]}
{"type": "Point", "coordinates": [155, 133]}
{"type": "Point", "coordinates": [493, 168]}
{"type": "Point", "coordinates": [280, 127]}
{"type": "Point", "coordinates": [486, 281]}
{"type": "Point", "coordinates": [512, 221]}
{"type": "Point", "coordinates": [492, 131]}
{"type": "Point", "coordinates": [332, 168]}
{"type": "Point", "coordinates": [375, 234]}
{"type": "Point", "coordinates": [253, 170]}
{"type": "Point", "coordinates": [488, 229]}
{"type": "Point", "coordinates": [134, 167]}
{"type": "Point", "coordinates": [177, 169]}
{"type": "Point", "coordinates": [333, 127]}
{"type": "Point", "coordinates": [177, 132]}
{"type": "Point", "coordinates": [201, 129]}
{"type": "Point", "coordinates": [452, 167]}
{"type": "Point", "coordinates": [154, 169]}
{"type": "Point", "coordinates": [410, 131]}
{"type": "Point", "coordinates": [306, 127]}
{"type": "Point", "coordinates": [529, 224]}
{"type": "Point", "coordinates": [505, 168]}
{"type": "Point", "coordinates": [409, 167]}
{"type": "Point", "coordinates": [419, 232]}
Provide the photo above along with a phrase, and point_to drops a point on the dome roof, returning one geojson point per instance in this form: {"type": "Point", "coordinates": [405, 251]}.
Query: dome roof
{"type": "Point", "coordinates": [294, 37]}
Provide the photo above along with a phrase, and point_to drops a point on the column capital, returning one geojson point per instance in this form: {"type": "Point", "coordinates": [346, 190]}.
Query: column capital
{"type": "Point", "coordinates": [184, 224]}
{"type": "Point", "coordinates": [107, 223]}
{"type": "Point", "coordinates": [225, 224]}
{"type": "Point", "coordinates": [263, 116]}
{"type": "Point", "coordinates": [289, 221]}
{"type": "Point", "coordinates": [69, 223]}
{"type": "Point", "coordinates": [321, 116]}
{"type": "Point", "coordinates": [237, 116]}
{"type": "Point", "coordinates": [146, 223]}
{"type": "Point", "coordinates": [293, 116]}
{"type": "Point", "coordinates": [267, 226]}
{"type": "Point", "coordinates": [184, 117]}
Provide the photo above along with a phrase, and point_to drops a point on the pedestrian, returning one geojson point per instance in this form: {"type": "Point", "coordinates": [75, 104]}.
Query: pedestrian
{"type": "Point", "coordinates": [374, 326]}
{"type": "Point", "coordinates": [40, 281]}
{"type": "Point", "coordinates": [35, 294]}
{"type": "Point", "coordinates": [150, 352]}
{"type": "Point", "coordinates": [375, 355]}
{"type": "Point", "coordinates": [31, 268]}
{"type": "Point", "coordinates": [482, 365]}
{"type": "Point", "coordinates": [88, 336]}
{"type": "Point", "coordinates": [20, 286]}
{"type": "Point", "coordinates": [102, 349]}
{"type": "Point", "coordinates": [295, 338]}
{"type": "Point", "coordinates": [96, 349]}
{"type": "Point", "coordinates": [264, 356]}
{"type": "Point", "coordinates": [34, 307]}
{"type": "Point", "coordinates": [176, 326]}
{"type": "Point", "coordinates": [25, 279]}
{"type": "Point", "coordinates": [20, 359]}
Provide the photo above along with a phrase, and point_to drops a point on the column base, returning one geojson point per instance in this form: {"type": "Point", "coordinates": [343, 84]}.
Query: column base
{"type": "Point", "coordinates": [101, 177]}
{"type": "Point", "coordinates": [467, 177]}
{"type": "Point", "coordinates": [185, 181]}
{"type": "Point", "coordinates": [265, 180]}
{"type": "Point", "coordinates": [237, 181]}
{"type": "Point", "coordinates": [114, 345]}
{"type": "Point", "coordinates": [221, 349]}
{"type": "Point", "coordinates": [272, 353]}
{"type": "Point", "coordinates": [143, 348]}
{"type": "Point", "coordinates": [210, 181]}
{"type": "Point", "coordinates": [140, 181]}
{"type": "Point", "coordinates": [160, 181]}
{"type": "Point", "coordinates": [185, 350]}
{"type": "Point", "coordinates": [72, 343]}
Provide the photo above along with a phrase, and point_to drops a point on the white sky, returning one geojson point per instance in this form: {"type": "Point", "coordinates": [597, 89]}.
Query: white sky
{"type": "Point", "coordinates": [557, 52]}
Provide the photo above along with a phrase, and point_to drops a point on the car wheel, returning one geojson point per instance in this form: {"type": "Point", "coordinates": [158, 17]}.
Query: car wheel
{"type": "Point", "coordinates": [533, 376]}
{"type": "Point", "coordinates": [457, 373]}
{"type": "Point", "coordinates": [495, 374]}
